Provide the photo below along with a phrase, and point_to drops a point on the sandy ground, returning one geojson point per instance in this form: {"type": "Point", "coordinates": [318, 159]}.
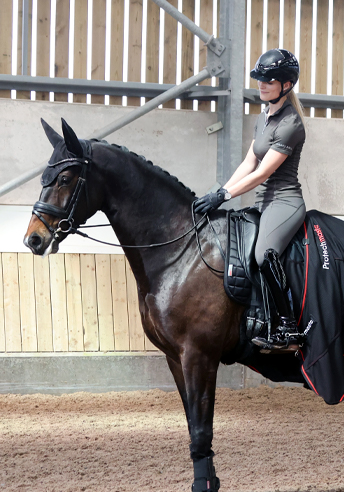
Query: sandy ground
{"type": "Point", "coordinates": [281, 439]}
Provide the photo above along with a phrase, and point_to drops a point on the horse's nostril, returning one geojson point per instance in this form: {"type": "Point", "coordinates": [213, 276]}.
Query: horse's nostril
{"type": "Point", "coordinates": [35, 241]}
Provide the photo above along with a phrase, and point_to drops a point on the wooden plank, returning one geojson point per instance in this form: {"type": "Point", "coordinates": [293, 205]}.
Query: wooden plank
{"type": "Point", "coordinates": [322, 47]}
{"type": "Point", "coordinates": [117, 37]}
{"type": "Point", "coordinates": [2, 312]}
{"type": "Point", "coordinates": [80, 45]}
{"type": "Point", "coordinates": [61, 44]}
{"type": "Point", "coordinates": [289, 25]}
{"type": "Point", "coordinates": [24, 94]}
{"type": "Point", "coordinates": [104, 303]}
{"type": "Point", "coordinates": [43, 44]}
{"type": "Point", "coordinates": [273, 24]}
{"type": "Point", "coordinates": [11, 302]}
{"type": "Point", "coordinates": [256, 43]}
{"type": "Point", "coordinates": [136, 334]}
{"type": "Point", "coordinates": [6, 41]}
{"type": "Point", "coordinates": [152, 50]}
{"type": "Point", "coordinates": [306, 48]}
{"type": "Point", "coordinates": [187, 49]}
{"type": "Point", "coordinates": [27, 302]}
{"type": "Point", "coordinates": [98, 45]}
{"type": "Point", "coordinates": [74, 304]}
{"type": "Point", "coordinates": [43, 304]}
{"type": "Point", "coordinates": [89, 302]}
{"type": "Point", "coordinates": [170, 52]}
{"type": "Point", "coordinates": [58, 302]}
{"type": "Point", "coordinates": [206, 23]}
{"type": "Point", "coordinates": [119, 300]}
{"type": "Point", "coordinates": [135, 46]}
{"type": "Point", "coordinates": [338, 53]}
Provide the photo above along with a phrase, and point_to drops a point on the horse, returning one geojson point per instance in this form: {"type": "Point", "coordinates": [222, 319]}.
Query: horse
{"type": "Point", "coordinates": [184, 309]}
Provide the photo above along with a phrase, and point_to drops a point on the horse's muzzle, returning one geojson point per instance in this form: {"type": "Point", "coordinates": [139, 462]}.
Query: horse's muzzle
{"type": "Point", "coordinates": [39, 245]}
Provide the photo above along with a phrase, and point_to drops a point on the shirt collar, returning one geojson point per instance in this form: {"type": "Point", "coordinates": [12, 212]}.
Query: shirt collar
{"type": "Point", "coordinates": [286, 103]}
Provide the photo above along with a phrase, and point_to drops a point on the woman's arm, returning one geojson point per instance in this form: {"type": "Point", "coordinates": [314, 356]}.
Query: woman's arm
{"type": "Point", "coordinates": [269, 164]}
{"type": "Point", "coordinates": [248, 165]}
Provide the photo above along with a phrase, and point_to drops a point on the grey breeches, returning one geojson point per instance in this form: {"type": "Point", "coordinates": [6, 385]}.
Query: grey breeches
{"type": "Point", "coordinates": [280, 220]}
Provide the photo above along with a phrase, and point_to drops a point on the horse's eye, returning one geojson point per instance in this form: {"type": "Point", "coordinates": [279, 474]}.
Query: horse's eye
{"type": "Point", "coordinates": [63, 180]}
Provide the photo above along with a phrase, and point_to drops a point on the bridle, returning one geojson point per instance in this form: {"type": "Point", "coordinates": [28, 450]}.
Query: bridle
{"type": "Point", "coordinates": [66, 224]}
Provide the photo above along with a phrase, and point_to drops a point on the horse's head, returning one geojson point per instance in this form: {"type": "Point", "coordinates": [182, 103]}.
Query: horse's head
{"type": "Point", "coordinates": [63, 203]}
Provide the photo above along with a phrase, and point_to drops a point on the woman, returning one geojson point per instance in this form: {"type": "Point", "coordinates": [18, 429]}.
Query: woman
{"type": "Point", "coordinates": [272, 164]}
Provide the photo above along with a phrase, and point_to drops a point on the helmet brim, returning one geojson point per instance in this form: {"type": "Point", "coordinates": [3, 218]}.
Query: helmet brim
{"type": "Point", "coordinates": [261, 77]}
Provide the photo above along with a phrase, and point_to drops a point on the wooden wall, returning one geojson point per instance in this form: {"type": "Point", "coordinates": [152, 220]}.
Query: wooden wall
{"type": "Point", "coordinates": [143, 43]}
{"type": "Point", "coordinates": [69, 303]}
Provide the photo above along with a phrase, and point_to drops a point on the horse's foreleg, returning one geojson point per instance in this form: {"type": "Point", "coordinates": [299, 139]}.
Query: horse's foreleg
{"type": "Point", "coordinates": [200, 373]}
{"type": "Point", "coordinates": [177, 373]}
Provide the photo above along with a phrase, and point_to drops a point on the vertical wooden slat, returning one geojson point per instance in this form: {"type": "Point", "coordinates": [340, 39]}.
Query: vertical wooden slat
{"type": "Point", "coordinates": [256, 43]}
{"type": "Point", "coordinates": [273, 24]}
{"type": "Point", "coordinates": [74, 304]}
{"type": "Point", "coordinates": [2, 312]}
{"type": "Point", "coordinates": [152, 50]}
{"type": "Point", "coordinates": [89, 302]}
{"type": "Point", "coordinates": [306, 48]}
{"type": "Point", "coordinates": [338, 53]}
{"type": "Point", "coordinates": [27, 302]}
{"type": "Point", "coordinates": [104, 302]}
{"type": "Point", "coordinates": [137, 339]}
{"type": "Point", "coordinates": [98, 45]}
{"type": "Point", "coordinates": [322, 46]}
{"type": "Point", "coordinates": [117, 38]}
{"type": "Point", "coordinates": [80, 45]}
{"type": "Point", "coordinates": [206, 23]}
{"type": "Point", "coordinates": [170, 52]}
{"type": "Point", "coordinates": [289, 25]}
{"type": "Point", "coordinates": [43, 43]}
{"type": "Point", "coordinates": [135, 46]}
{"type": "Point", "coordinates": [11, 302]}
{"type": "Point", "coordinates": [6, 41]}
{"type": "Point", "coordinates": [61, 43]}
{"type": "Point", "coordinates": [58, 302]}
{"type": "Point", "coordinates": [43, 304]}
{"type": "Point", "coordinates": [119, 299]}
{"type": "Point", "coordinates": [24, 94]}
{"type": "Point", "coordinates": [188, 49]}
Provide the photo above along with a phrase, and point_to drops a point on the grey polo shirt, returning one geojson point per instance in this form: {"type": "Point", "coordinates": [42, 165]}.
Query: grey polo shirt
{"type": "Point", "coordinates": [284, 132]}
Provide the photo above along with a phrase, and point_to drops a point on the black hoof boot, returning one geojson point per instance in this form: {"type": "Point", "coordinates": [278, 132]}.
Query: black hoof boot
{"type": "Point", "coordinates": [205, 476]}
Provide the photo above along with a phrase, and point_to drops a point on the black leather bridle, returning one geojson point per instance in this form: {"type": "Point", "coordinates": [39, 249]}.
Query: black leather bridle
{"type": "Point", "coordinates": [66, 224]}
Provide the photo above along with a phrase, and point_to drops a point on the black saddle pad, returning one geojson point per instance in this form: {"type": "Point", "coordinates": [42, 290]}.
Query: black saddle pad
{"type": "Point", "coordinates": [314, 265]}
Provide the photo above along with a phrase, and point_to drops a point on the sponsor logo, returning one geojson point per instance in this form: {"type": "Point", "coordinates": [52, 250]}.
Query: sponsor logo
{"type": "Point", "coordinates": [284, 146]}
{"type": "Point", "coordinates": [323, 246]}
{"type": "Point", "coordinates": [309, 326]}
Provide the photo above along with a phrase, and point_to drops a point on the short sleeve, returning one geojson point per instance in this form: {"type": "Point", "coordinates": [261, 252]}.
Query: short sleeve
{"type": "Point", "coordinates": [289, 132]}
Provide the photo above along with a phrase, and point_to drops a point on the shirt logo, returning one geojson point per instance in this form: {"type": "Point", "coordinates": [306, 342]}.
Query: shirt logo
{"type": "Point", "coordinates": [323, 246]}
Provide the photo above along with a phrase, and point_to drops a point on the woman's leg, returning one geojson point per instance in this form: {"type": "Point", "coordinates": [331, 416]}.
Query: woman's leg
{"type": "Point", "coordinates": [279, 222]}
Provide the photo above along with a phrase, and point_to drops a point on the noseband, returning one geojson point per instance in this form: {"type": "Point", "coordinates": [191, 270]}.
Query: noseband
{"type": "Point", "coordinates": [66, 223]}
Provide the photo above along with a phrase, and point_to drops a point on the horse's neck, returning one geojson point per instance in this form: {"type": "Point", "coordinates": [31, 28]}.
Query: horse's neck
{"type": "Point", "coordinates": [148, 210]}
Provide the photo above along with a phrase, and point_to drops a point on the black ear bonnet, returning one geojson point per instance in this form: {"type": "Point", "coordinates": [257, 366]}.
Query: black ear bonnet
{"type": "Point", "coordinates": [61, 159]}
{"type": "Point", "coordinates": [68, 151]}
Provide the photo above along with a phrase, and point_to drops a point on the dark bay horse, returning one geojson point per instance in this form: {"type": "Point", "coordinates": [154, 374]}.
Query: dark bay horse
{"type": "Point", "coordinates": [184, 309]}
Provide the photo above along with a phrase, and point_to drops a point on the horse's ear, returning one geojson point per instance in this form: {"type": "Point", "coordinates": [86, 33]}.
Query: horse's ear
{"type": "Point", "coordinates": [71, 140]}
{"type": "Point", "coordinates": [53, 137]}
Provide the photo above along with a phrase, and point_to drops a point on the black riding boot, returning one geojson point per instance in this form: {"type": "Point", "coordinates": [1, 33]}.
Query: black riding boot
{"type": "Point", "coordinates": [286, 337]}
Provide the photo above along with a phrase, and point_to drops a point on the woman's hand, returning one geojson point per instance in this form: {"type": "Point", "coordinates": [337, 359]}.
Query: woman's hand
{"type": "Point", "coordinates": [211, 201]}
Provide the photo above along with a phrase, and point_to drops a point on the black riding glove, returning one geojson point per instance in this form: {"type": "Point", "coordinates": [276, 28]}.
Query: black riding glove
{"type": "Point", "coordinates": [211, 201]}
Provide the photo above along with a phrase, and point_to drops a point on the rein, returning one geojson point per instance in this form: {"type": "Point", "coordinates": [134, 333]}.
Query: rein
{"type": "Point", "coordinates": [65, 226]}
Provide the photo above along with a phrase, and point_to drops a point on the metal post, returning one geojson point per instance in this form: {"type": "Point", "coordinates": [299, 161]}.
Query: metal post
{"type": "Point", "coordinates": [25, 36]}
{"type": "Point", "coordinates": [230, 108]}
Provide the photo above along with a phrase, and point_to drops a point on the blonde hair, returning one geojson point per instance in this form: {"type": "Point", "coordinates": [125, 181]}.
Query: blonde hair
{"type": "Point", "coordinates": [295, 101]}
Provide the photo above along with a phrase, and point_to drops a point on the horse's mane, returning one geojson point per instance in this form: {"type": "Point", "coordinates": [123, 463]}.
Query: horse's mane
{"type": "Point", "coordinates": [147, 162]}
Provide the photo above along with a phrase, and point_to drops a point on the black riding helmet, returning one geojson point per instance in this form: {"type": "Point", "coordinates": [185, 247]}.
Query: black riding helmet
{"type": "Point", "coordinates": [277, 64]}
